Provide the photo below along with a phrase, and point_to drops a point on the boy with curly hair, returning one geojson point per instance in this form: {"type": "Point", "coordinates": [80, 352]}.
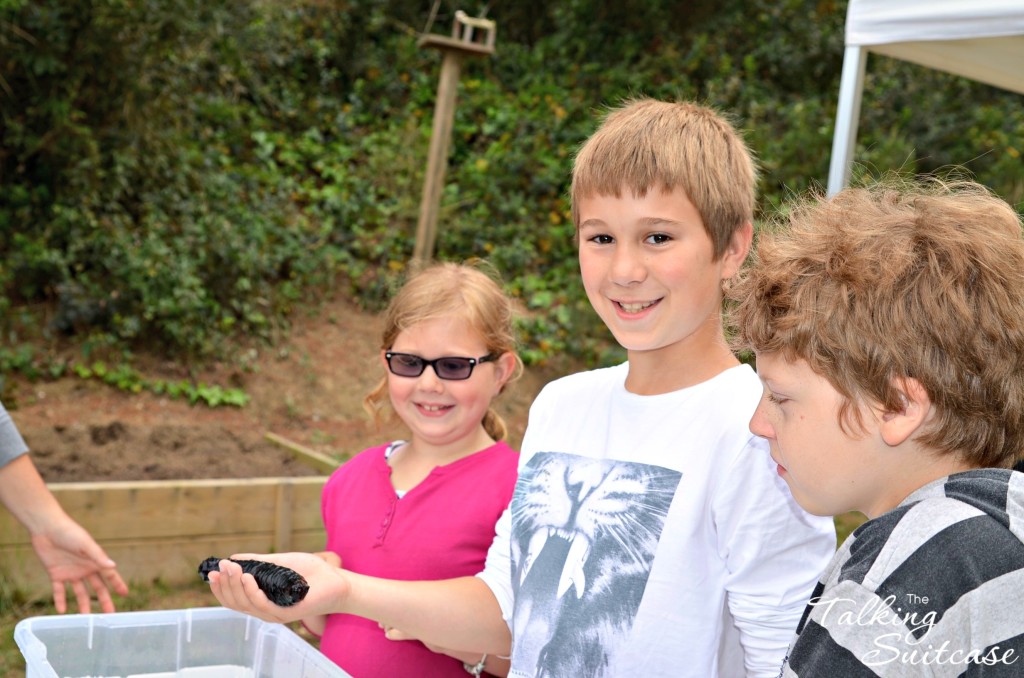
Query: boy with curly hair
{"type": "Point", "coordinates": [888, 328]}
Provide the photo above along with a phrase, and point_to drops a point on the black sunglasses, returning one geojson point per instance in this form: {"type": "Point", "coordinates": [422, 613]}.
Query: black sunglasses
{"type": "Point", "coordinates": [450, 368]}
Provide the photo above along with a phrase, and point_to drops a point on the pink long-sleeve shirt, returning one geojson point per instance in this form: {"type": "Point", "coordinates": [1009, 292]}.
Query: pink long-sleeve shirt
{"type": "Point", "coordinates": [439, 529]}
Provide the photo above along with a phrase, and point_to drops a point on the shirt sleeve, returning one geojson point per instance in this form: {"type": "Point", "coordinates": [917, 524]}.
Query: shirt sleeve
{"type": "Point", "coordinates": [12, 445]}
{"type": "Point", "coordinates": [497, 572]}
{"type": "Point", "coordinates": [774, 553]}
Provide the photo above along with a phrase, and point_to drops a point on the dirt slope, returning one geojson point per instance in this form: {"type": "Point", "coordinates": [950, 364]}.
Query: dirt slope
{"type": "Point", "coordinates": [307, 389]}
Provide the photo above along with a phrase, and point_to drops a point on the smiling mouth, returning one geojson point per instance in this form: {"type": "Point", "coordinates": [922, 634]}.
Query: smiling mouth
{"type": "Point", "coordinates": [434, 408]}
{"type": "Point", "coordinates": [635, 307]}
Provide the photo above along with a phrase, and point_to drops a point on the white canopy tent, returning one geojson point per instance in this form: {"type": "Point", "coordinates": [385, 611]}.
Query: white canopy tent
{"type": "Point", "coordinates": [979, 39]}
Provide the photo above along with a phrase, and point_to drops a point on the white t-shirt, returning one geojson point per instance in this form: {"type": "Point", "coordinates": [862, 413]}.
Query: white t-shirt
{"type": "Point", "coordinates": [651, 535]}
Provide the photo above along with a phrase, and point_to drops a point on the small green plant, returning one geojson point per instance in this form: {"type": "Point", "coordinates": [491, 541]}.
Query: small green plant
{"type": "Point", "coordinates": [27, 362]}
{"type": "Point", "coordinates": [126, 378]}
{"type": "Point", "coordinates": [21, 359]}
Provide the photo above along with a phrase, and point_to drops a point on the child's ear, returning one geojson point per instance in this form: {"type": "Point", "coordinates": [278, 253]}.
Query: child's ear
{"type": "Point", "coordinates": [897, 427]}
{"type": "Point", "coordinates": [737, 250]}
{"type": "Point", "coordinates": [506, 365]}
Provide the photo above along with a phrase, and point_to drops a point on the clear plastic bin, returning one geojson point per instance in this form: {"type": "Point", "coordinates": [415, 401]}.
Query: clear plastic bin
{"type": "Point", "coordinates": [208, 642]}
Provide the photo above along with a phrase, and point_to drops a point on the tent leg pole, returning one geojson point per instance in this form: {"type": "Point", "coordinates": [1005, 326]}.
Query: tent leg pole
{"type": "Point", "coordinates": [851, 87]}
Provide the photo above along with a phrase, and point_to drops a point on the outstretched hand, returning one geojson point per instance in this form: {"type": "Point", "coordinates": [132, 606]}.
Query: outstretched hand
{"type": "Point", "coordinates": [71, 556]}
{"type": "Point", "coordinates": [238, 591]}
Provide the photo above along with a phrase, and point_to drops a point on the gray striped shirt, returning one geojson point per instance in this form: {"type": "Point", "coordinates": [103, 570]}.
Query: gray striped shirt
{"type": "Point", "coordinates": [935, 588]}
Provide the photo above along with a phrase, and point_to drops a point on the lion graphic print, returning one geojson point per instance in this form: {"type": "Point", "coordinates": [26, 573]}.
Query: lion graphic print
{"type": "Point", "coordinates": [584, 535]}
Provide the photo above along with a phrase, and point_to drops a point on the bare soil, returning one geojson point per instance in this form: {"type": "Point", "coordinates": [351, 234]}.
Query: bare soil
{"type": "Point", "coordinates": [308, 389]}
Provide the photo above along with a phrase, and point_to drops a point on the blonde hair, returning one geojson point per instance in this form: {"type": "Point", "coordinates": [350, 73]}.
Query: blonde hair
{"type": "Point", "coordinates": [450, 290]}
{"type": "Point", "coordinates": [647, 144]}
{"type": "Point", "coordinates": [900, 280]}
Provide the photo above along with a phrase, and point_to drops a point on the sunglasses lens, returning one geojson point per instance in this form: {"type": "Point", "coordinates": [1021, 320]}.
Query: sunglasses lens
{"type": "Point", "coordinates": [453, 368]}
{"type": "Point", "coordinates": [406, 365]}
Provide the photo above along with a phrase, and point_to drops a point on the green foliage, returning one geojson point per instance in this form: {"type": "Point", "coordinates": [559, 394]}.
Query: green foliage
{"type": "Point", "coordinates": [142, 192]}
{"type": "Point", "coordinates": [846, 524]}
{"type": "Point", "coordinates": [126, 378]}
{"type": "Point", "coordinates": [174, 175]}
{"type": "Point", "coordinates": [25, 360]}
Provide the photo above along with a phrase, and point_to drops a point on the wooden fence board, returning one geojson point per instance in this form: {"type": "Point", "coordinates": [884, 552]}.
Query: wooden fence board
{"type": "Point", "coordinates": [164, 529]}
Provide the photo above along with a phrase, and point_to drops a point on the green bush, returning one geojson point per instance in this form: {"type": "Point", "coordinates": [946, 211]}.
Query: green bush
{"type": "Point", "coordinates": [174, 175]}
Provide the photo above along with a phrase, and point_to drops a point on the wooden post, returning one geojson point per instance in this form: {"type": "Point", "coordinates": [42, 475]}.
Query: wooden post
{"type": "Point", "coordinates": [463, 42]}
{"type": "Point", "coordinates": [283, 518]}
{"type": "Point", "coordinates": [437, 157]}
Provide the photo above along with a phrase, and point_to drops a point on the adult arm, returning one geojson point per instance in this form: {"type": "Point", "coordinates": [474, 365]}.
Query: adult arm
{"type": "Point", "coordinates": [460, 614]}
{"type": "Point", "coordinates": [68, 552]}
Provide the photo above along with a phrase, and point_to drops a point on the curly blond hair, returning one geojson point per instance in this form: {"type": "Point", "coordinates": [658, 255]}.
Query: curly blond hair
{"type": "Point", "coordinates": [900, 279]}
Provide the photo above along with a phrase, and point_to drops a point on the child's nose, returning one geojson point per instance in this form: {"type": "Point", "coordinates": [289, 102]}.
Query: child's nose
{"type": "Point", "coordinates": [759, 424]}
{"type": "Point", "coordinates": [429, 381]}
{"type": "Point", "coordinates": [628, 266]}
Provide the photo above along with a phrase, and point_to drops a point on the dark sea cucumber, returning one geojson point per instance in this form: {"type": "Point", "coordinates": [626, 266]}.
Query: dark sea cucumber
{"type": "Point", "coordinates": [283, 586]}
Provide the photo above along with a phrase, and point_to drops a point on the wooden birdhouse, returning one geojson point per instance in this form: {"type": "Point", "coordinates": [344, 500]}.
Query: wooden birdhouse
{"type": "Point", "coordinates": [470, 37]}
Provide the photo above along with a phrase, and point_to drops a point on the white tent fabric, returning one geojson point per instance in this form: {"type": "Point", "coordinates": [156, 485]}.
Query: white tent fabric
{"type": "Point", "coordinates": [978, 39]}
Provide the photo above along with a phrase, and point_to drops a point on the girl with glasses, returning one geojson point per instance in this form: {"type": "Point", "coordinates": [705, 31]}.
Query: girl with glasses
{"type": "Point", "coordinates": [426, 507]}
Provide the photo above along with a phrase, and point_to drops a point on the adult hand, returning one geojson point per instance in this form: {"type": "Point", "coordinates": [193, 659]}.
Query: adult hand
{"type": "Point", "coordinates": [72, 557]}
{"type": "Point", "coordinates": [327, 587]}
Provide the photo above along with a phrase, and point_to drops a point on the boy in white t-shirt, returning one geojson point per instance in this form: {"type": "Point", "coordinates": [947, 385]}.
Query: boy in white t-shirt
{"type": "Point", "coordinates": [649, 533]}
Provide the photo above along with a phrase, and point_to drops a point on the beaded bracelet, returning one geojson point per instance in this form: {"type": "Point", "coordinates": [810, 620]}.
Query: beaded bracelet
{"type": "Point", "coordinates": [475, 669]}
